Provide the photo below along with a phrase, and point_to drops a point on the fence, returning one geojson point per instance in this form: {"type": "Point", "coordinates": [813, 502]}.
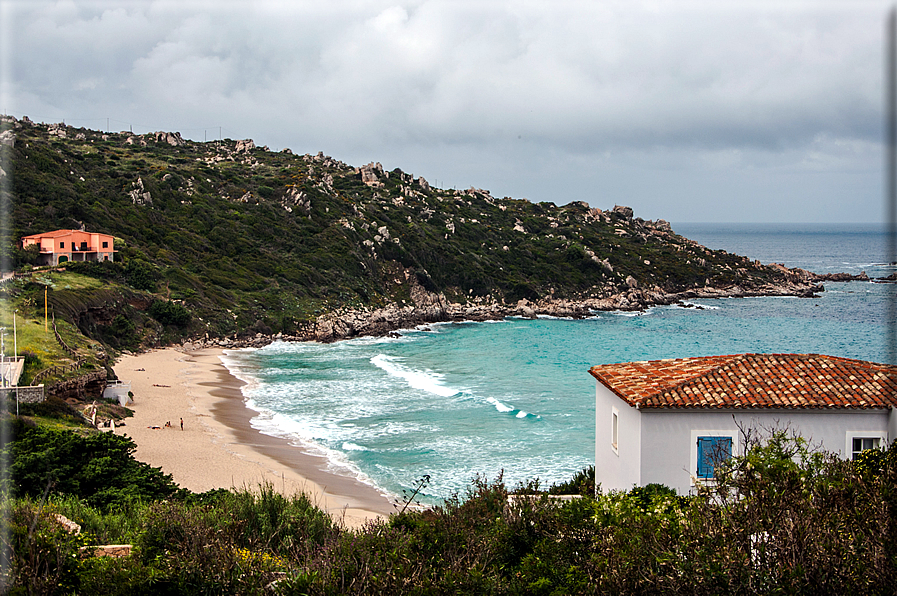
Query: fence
{"type": "Point", "coordinates": [16, 275]}
{"type": "Point", "coordinates": [53, 370]}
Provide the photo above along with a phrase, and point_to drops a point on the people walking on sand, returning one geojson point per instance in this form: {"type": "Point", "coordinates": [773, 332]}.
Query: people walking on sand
{"type": "Point", "coordinates": [182, 424]}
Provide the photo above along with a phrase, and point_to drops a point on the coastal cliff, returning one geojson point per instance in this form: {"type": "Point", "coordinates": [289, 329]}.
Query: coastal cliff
{"type": "Point", "coordinates": [228, 241]}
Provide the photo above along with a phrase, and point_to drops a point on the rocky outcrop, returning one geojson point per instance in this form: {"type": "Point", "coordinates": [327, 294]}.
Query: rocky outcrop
{"type": "Point", "coordinates": [295, 198]}
{"type": "Point", "coordinates": [623, 212]}
{"type": "Point", "coordinates": [244, 146]}
{"type": "Point", "coordinates": [425, 307]}
{"type": "Point", "coordinates": [839, 277]}
{"type": "Point", "coordinates": [172, 138]}
{"type": "Point", "coordinates": [8, 138]}
{"type": "Point", "coordinates": [57, 130]}
{"type": "Point", "coordinates": [139, 195]}
{"type": "Point", "coordinates": [429, 307]}
{"type": "Point", "coordinates": [369, 174]}
{"type": "Point", "coordinates": [83, 388]}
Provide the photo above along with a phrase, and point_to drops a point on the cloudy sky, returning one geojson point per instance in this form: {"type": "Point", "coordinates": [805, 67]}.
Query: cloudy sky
{"type": "Point", "coordinates": [689, 111]}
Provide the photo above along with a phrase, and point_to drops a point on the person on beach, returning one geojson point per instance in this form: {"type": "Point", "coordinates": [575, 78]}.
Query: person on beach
{"type": "Point", "coordinates": [182, 424]}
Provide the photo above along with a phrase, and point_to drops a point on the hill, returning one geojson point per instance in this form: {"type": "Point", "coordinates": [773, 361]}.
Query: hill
{"type": "Point", "coordinates": [227, 239]}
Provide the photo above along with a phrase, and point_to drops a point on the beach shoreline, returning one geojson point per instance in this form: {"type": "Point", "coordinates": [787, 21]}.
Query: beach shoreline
{"type": "Point", "coordinates": [217, 447]}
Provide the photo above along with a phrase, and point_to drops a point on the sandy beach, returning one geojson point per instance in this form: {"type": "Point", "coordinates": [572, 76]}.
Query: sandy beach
{"type": "Point", "coordinates": [217, 447]}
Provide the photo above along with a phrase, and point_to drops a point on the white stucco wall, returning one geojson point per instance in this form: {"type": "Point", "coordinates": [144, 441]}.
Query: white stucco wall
{"type": "Point", "coordinates": [668, 436]}
{"type": "Point", "coordinates": [892, 425]}
{"type": "Point", "coordinates": [616, 469]}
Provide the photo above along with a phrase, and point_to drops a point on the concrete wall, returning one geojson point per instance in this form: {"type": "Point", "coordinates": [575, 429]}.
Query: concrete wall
{"type": "Point", "coordinates": [118, 390]}
{"type": "Point", "coordinates": [616, 469]}
{"type": "Point", "coordinates": [27, 395]}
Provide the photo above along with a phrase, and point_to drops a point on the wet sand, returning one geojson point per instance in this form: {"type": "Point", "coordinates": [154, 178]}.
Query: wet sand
{"type": "Point", "coordinates": [218, 448]}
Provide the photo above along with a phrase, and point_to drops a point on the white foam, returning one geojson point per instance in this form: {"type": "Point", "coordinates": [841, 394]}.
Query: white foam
{"type": "Point", "coordinates": [233, 364]}
{"type": "Point", "coordinates": [347, 446]}
{"type": "Point", "coordinates": [304, 437]}
{"type": "Point", "coordinates": [427, 380]}
{"type": "Point", "coordinates": [498, 405]}
{"type": "Point", "coordinates": [522, 414]}
{"type": "Point", "coordinates": [285, 426]}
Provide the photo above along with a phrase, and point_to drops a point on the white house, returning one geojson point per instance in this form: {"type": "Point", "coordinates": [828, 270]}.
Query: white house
{"type": "Point", "coordinates": [667, 421]}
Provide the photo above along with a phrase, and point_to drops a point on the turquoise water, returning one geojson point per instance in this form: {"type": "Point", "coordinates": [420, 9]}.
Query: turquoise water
{"type": "Point", "coordinates": [457, 400]}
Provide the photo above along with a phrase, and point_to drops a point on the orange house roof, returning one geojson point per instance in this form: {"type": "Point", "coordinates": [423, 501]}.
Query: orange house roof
{"type": "Point", "coordinates": [752, 381]}
{"type": "Point", "coordinates": [58, 233]}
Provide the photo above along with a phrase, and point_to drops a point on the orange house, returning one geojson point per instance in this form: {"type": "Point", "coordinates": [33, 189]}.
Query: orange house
{"type": "Point", "coordinates": [71, 245]}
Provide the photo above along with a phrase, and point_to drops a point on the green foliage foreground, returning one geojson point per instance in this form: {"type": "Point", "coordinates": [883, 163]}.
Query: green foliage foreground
{"type": "Point", "coordinates": [781, 520]}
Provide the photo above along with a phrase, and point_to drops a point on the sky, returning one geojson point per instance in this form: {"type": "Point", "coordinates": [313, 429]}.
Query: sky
{"type": "Point", "coordinates": [689, 111]}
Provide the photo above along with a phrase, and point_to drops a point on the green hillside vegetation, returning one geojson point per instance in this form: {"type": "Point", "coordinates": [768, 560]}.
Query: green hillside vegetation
{"type": "Point", "coordinates": [33, 336]}
{"type": "Point", "coordinates": [239, 240]}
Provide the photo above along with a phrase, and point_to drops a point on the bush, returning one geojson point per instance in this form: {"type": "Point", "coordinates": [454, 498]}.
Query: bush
{"type": "Point", "coordinates": [45, 556]}
{"type": "Point", "coordinates": [169, 313]}
{"type": "Point", "coordinates": [141, 275]}
{"type": "Point", "coordinates": [97, 467]}
{"type": "Point", "coordinates": [583, 483]}
{"type": "Point", "coordinates": [781, 519]}
{"type": "Point", "coordinates": [51, 407]}
{"type": "Point", "coordinates": [121, 333]}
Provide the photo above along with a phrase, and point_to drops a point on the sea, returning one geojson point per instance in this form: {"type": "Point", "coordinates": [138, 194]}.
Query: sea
{"type": "Point", "coordinates": [514, 398]}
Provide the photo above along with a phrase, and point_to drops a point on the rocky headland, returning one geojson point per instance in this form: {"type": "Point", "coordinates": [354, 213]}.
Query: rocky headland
{"type": "Point", "coordinates": [429, 307]}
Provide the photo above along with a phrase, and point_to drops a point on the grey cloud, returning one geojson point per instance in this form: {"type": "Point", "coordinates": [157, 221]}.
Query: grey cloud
{"type": "Point", "coordinates": [703, 87]}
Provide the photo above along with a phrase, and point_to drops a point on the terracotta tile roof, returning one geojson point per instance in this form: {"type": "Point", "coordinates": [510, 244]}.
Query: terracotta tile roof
{"type": "Point", "coordinates": [53, 234]}
{"type": "Point", "coordinates": [752, 381]}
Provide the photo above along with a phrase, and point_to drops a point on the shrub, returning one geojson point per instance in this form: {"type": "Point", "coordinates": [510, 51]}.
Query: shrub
{"type": "Point", "coordinates": [121, 333]}
{"type": "Point", "coordinates": [169, 313]}
{"type": "Point", "coordinates": [141, 274]}
{"type": "Point", "coordinates": [45, 556]}
{"type": "Point", "coordinates": [97, 467]}
{"type": "Point", "coordinates": [583, 483]}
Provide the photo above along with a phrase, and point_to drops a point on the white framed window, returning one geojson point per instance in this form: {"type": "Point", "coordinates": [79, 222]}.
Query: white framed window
{"type": "Point", "coordinates": [615, 430]}
{"type": "Point", "coordinates": [859, 441]}
{"type": "Point", "coordinates": [709, 448]}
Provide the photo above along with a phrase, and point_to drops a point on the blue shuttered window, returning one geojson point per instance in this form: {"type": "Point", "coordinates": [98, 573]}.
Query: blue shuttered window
{"type": "Point", "coordinates": [711, 451]}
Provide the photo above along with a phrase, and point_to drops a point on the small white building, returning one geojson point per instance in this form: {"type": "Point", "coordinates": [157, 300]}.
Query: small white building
{"type": "Point", "coordinates": [119, 390]}
{"type": "Point", "coordinates": [667, 421]}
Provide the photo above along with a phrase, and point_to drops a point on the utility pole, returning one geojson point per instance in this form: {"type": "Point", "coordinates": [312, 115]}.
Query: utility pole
{"type": "Point", "coordinates": [3, 356]}
{"type": "Point", "coordinates": [15, 355]}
